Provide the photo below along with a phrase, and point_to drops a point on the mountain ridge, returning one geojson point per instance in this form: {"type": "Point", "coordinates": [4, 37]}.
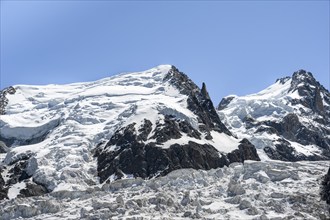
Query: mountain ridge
{"type": "Point", "coordinates": [78, 135]}
{"type": "Point", "coordinates": [149, 144]}
{"type": "Point", "coordinates": [294, 112]}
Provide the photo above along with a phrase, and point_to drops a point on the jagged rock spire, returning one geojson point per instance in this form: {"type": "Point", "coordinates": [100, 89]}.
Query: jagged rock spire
{"type": "Point", "coordinates": [199, 101]}
{"type": "Point", "coordinates": [205, 92]}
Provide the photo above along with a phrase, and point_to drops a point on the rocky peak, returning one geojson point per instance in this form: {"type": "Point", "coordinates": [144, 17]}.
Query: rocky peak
{"type": "Point", "coordinates": [4, 100]}
{"type": "Point", "coordinates": [199, 101]}
{"type": "Point", "coordinates": [313, 94]}
{"type": "Point", "coordinates": [205, 92]}
{"type": "Point", "coordinates": [295, 110]}
{"type": "Point", "coordinates": [303, 76]}
{"type": "Point", "coordinates": [302, 79]}
{"type": "Point", "coordinates": [157, 147]}
{"type": "Point", "coordinates": [181, 81]}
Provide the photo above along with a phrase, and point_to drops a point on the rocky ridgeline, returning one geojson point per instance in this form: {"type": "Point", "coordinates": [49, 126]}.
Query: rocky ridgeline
{"type": "Point", "coordinates": [4, 100]}
{"type": "Point", "coordinates": [130, 149]}
{"type": "Point", "coordinates": [317, 99]}
{"type": "Point", "coordinates": [198, 101]}
{"type": "Point", "coordinates": [133, 156]}
{"type": "Point", "coordinates": [312, 93]}
{"type": "Point", "coordinates": [302, 118]}
{"type": "Point", "coordinates": [3, 103]}
{"type": "Point", "coordinates": [142, 179]}
{"type": "Point", "coordinates": [147, 160]}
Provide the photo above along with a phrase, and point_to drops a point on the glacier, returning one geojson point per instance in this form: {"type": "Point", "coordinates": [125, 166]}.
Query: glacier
{"type": "Point", "coordinates": [253, 190]}
{"type": "Point", "coordinates": [52, 137]}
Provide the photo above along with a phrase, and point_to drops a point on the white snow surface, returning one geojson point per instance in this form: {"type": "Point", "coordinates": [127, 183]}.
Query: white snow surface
{"type": "Point", "coordinates": [270, 104]}
{"type": "Point", "coordinates": [15, 189]}
{"type": "Point", "coordinates": [253, 190]}
{"type": "Point", "coordinates": [72, 119]}
{"type": "Point", "coordinates": [75, 118]}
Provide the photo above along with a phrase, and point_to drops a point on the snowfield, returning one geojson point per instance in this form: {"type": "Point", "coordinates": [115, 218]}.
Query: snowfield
{"type": "Point", "coordinates": [54, 130]}
{"type": "Point", "coordinates": [253, 190]}
{"type": "Point", "coordinates": [58, 126]}
{"type": "Point", "coordinates": [272, 105]}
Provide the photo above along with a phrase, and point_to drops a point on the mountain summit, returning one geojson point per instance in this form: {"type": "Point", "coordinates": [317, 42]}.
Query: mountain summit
{"type": "Point", "coordinates": [289, 120]}
{"type": "Point", "coordinates": [144, 124]}
{"type": "Point", "coordinates": [151, 144]}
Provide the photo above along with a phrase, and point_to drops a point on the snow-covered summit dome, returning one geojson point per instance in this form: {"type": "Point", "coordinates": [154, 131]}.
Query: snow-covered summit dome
{"type": "Point", "coordinates": [69, 137]}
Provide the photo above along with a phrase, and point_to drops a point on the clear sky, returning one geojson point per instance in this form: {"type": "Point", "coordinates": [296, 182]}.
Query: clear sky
{"type": "Point", "coordinates": [235, 47]}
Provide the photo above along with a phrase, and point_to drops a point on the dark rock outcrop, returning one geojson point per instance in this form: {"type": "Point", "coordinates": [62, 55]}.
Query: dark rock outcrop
{"type": "Point", "coordinates": [21, 170]}
{"type": "Point", "coordinates": [33, 189]}
{"type": "Point", "coordinates": [4, 100]}
{"type": "Point", "coordinates": [245, 151]}
{"type": "Point", "coordinates": [224, 102]}
{"type": "Point", "coordinates": [298, 113]}
{"type": "Point", "coordinates": [325, 188]}
{"type": "Point", "coordinates": [3, 148]}
{"type": "Point", "coordinates": [313, 96]}
{"type": "Point", "coordinates": [134, 157]}
{"type": "Point", "coordinates": [3, 189]}
{"type": "Point", "coordinates": [198, 101]}
{"type": "Point", "coordinates": [285, 152]}
{"type": "Point", "coordinates": [143, 152]}
{"type": "Point", "coordinates": [290, 128]}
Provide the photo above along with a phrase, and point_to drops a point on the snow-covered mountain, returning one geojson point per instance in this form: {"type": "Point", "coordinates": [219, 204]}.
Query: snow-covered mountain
{"type": "Point", "coordinates": [145, 124]}
{"type": "Point", "coordinates": [151, 145]}
{"type": "Point", "coordinates": [289, 120]}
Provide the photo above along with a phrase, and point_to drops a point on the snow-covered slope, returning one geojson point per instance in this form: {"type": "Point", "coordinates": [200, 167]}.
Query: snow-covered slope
{"type": "Point", "coordinates": [92, 150]}
{"type": "Point", "coordinates": [289, 120]}
{"type": "Point", "coordinates": [58, 135]}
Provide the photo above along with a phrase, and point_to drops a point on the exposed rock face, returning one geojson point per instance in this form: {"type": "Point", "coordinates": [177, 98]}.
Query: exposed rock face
{"type": "Point", "coordinates": [147, 160]}
{"type": "Point", "coordinates": [21, 170]}
{"type": "Point", "coordinates": [199, 101]}
{"type": "Point", "coordinates": [140, 151]}
{"type": "Point", "coordinates": [33, 189]}
{"type": "Point", "coordinates": [224, 102]}
{"type": "Point", "coordinates": [316, 98]}
{"type": "Point", "coordinates": [4, 100]}
{"type": "Point", "coordinates": [3, 147]}
{"type": "Point", "coordinates": [307, 87]}
{"type": "Point", "coordinates": [245, 151]}
{"type": "Point", "coordinates": [290, 128]}
{"type": "Point", "coordinates": [3, 189]}
{"type": "Point", "coordinates": [325, 188]}
{"type": "Point", "coordinates": [295, 111]}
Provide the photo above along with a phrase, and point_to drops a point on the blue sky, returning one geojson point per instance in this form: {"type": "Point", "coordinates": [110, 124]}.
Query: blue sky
{"type": "Point", "coordinates": [237, 47]}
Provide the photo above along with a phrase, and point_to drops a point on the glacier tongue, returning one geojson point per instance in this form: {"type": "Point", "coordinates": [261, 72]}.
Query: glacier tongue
{"type": "Point", "coordinates": [253, 190]}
